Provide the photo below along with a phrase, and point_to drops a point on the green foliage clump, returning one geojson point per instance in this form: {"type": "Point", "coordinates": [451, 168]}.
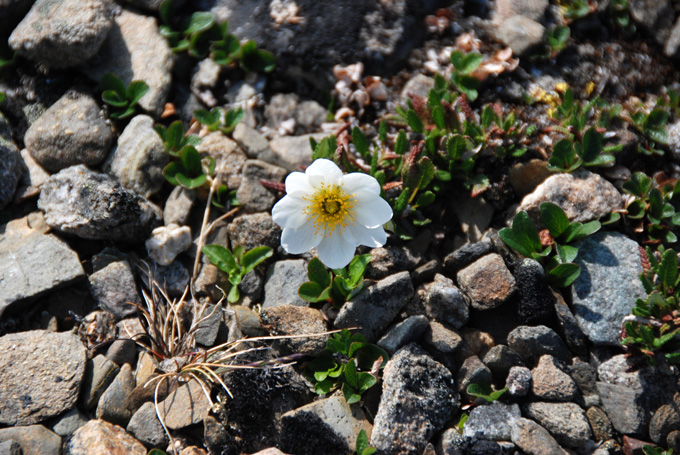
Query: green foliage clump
{"type": "Point", "coordinates": [485, 391]}
{"type": "Point", "coordinates": [122, 100]}
{"type": "Point", "coordinates": [337, 286]}
{"type": "Point", "coordinates": [218, 119]}
{"type": "Point", "coordinates": [556, 257]}
{"type": "Point", "coordinates": [174, 137]}
{"type": "Point", "coordinates": [463, 67]}
{"type": "Point", "coordinates": [556, 40]}
{"type": "Point", "coordinates": [568, 156]}
{"type": "Point", "coordinates": [350, 363]}
{"type": "Point", "coordinates": [653, 207]}
{"type": "Point", "coordinates": [201, 35]}
{"type": "Point", "coordinates": [189, 170]}
{"type": "Point", "coordinates": [237, 264]}
{"type": "Point", "coordinates": [652, 450]}
{"type": "Point", "coordinates": [655, 329]}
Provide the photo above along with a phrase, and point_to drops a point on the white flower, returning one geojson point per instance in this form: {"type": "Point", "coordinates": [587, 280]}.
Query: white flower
{"type": "Point", "coordinates": [330, 211]}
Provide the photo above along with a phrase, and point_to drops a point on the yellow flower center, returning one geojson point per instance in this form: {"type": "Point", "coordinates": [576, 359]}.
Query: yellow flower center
{"type": "Point", "coordinates": [330, 208]}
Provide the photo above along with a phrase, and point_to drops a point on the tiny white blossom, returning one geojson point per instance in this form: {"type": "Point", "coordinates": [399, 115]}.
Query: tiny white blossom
{"type": "Point", "coordinates": [330, 211]}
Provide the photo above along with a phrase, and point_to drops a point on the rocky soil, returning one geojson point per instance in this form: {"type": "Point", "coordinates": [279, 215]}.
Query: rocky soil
{"type": "Point", "coordinates": [87, 214]}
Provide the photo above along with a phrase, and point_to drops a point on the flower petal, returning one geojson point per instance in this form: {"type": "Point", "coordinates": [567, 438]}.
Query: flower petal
{"type": "Point", "coordinates": [289, 212]}
{"type": "Point", "coordinates": [300, 240]}
{"type": "Point", "coordinates": [297, 181]}
{"type": "Point", "coordinates": [335, 252]}
{"type": "Point", "coordinates": [361, 235]}
{"type": "Point", "coordinates": [331, 173]}
{"type": "Point", "coordinates": [371, 210]}
{"type": "Point", "coordinates": [356, 181]}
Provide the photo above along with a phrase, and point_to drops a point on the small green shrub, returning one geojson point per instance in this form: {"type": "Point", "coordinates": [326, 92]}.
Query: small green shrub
{"type": "Point", "coordinates": [237, 264]}
{"type": "Point", "coordinates": [652, 126]}
{"type": "Point", "coordinates": [349, 363]}
{"type": "Point", "coordinates": [123, 100]}
{"type": "Point", "coordinates": [653, 207]}
{"type": "Point", "coordinates": [556, 39]}
{"type": "Point", "coordinates": [463, 67]}
{"type": "Point", "coordinates": [189, 170]}
{"type": "Point", "coordinates": [337, 286]}
{"type": "Point", "coordinates": [568, 156]}
{"type": "Point", "coordinates": [218, 119]}
{"type": "Point", "coordinates": [174, 137]}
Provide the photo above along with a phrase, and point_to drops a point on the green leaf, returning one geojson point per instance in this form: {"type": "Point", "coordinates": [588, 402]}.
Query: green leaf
{"type": "Point", "coordinates": [567, 253]}
{"type": "Point", "coordinates": [325, 149]}
{"type": "Point", "coordinates": [365, 381]}
{"type": "Point", "coordinates": [668, 269]}
{"type": "Point", "coordinates": [401, 202]}
{"type": "Point", "coordinates": [592, 145]}
{"type": "Point", "coordinates": [136, 90]}
{"type": "Point", "coordinates": [414, 121]}
{"type": "Point", "coordinates": [362, 446]}
{"type": "Point", "coordinates": [317, 273]}
{"type": "Point", "coordinates": [221, 257]}
{"type": "Point", "coordinates": [350, 394]}
{"type": "Point", "coordinates": [456, 147]}
{"type": "Point", "coordinates": [254, 257]}
{"type": "Point", "coordinates": [554, 218]}
{"type": "Point", "coordinates": [360, 141]}
{"type": "Point", "coordinates": [401, 144]}
{"type": "Point", "coordinates": [656, 119]}
{"type": "Point", "coordinates": [639, 185]}
{"type": "Point", "coordinates": [112, 98]}
{"type": "Point", "coordinates": [311, 291]}
{"type": "Point", "coordinates": [231, 119]}
{"type": "Point", "coordinates": [112, 82]}
{"type": "Point", "coordinates": [438, 117]}
{"type": "Point", "coordinates": [234, 295]}
{"type": "Point", "coordinates": [382, 131]}
{"type": "Point", "coordinates": [156, 452]}
{"type": "Point", "coordinates": [170, 172]}
{"type": "Point", "coordinates": [564, 274]}
{"type": "Point", "coordinates": [523, 236]}
{"type": "Point", "coordinates": [564, 157]}
{"type": "Point", "coordinates": [357, 267]}
{"type": "Point", "coordinates": [425, 199]}
{"type": "Point", "coordinates": [602, 161]}
{"type": "Point", "coordinates": [636, 209]}
{"type": "Point", "coordinates": [426, 172]}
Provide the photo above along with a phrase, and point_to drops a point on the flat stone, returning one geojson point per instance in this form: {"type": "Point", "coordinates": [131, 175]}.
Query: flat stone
{"type": "Point", "coordinates": [282, 282]}
{"type": "Point", "coordinates": [114, 289]}
{"type": "Point", "coordinates": [66, 424]}
{"type": "Point", "coordinates": [229, 158]}
{"type": "Point", "coordinates": [525, 177]}
{"type": "Point", "coordinates": [328, 426]}
{"type": "Point", "coordinates": [95, 206]}
{"type": "Point", "coordinates": [533, 342]}
{"type": "Point", "coordinates": [568, 328]}
{"type": "Point", "coordinates": [139, 157]}
{"type": "Point", "coordinates": [292, 152]}
{"type": "Point", "coordinates": [113, 404]}
{"type": "Point", "coordinates": [23, 250]}
{"type": "Point", "coordinates": [654, 15]}
{"type": "Point", "coordinates": [441, 300]}
{"type": "Point", "coordinates": [283, 320]}
{"type": "Point", "coordinates": [102, 437]}
{"type": "Point", "coordinates": [521, 34]}
{"type": "Point", "coordinates": [32, 177]}
{"type": "Point", "coordinates": [134, 50]}
{"type": "Point", "coordinates": [72, 131]}
{"type": "Point", "coordinates": [99, 375]}
{"type": "Point", "coordinates": [665, 420]}
{"type": "Point", "coordinates": [443, 339]}
{"type": "Point", "coordinates": [600, 424]}
{"type": "Point", "coordinates": [566, 422]}
{"type": "Point", "coordinates": [62, 33]}
{"type": "Point", "coordinates": [466, 255]}
{"type": "Point", "coordinates": [33, 439]}
{"type": "Point", "coordinates": [418, 399]}
{"type": "Point", "coordinates": [254, 230]}
{"type": "Point", "coordinates": [375, 307]}
{"type": "Point", "coordinates": [551, 382]}
{"type": "Point", "coordinates": [388, 260]}
{"type": "Point", "coordinates": [407, 331]}
{"type": "Point", "coordinates": [10, 447]}
{"type": "Point", "coordinates": [533, 439]}
{"type": "Point", "coordinates": [491, 421]}
{"type": "Point", "coordinates": [533, 9]}
{"type": "Point", "coordinates": [178, 206]}
{"type": "Point", "coordinates": [41, 373]}
{"type": "Point", "coordinates": [608, 286]}
{"type": "Point", "coordinates": [500, 359]}
{"type": "Point", "coordinates": [250, 140]}
{"type": "Point", "coordinates": [185, 406]}
{"type": "Point", "coordinates": [252, 195]}
{"type": "Point", "coordinates": [472, 371]}
{"type": "Point", "coordinates": [487, 281]}
{"type": "Point", "coordinates": [583, 195]}
{"type": "Point", "coordinates": [145, 426]}
{"type": "Point", "coordinates": [418, 85]}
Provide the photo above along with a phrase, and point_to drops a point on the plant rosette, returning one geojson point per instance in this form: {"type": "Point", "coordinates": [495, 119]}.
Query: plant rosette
{"type": "Point", "coordinates": [333, 212]}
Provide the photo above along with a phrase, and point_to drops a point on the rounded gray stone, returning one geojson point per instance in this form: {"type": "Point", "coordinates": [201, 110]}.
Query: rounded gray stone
{"type": "Point", "coordinates": [145, 426]}
{"type": "Point", "coordinates": [10, 172]}
{"type": "Point", "coordinates": [40, 373]}
{"type": "Point", "coordinates": [282, 282]}
{"type": "Point", "coordinates": [566, 422]}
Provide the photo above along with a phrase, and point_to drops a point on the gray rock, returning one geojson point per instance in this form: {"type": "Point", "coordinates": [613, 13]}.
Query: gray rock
{"type": "Point", "coordinates": [630, 397]}
{"type": "Point", "coordinates": [114, 289]}
{"type": "Point", "coordinates": [281, 111]}
{"type": "Point", "coordinates": [533, 9]}
{"type": "Point", "coordinates": [209, 329]}
{"type": "Point", "coordinates": [466, 255]}
{"type": "Point", "coordinates": [451, 442]}
{"type": "Point", "coordinates": [252, 195]}
{"type": "Point", "coordinates": [500, 359]}
{"type": "Point", "coordinates": [654, 15]}
{"type": "Point", "coordinates": [167, 242]}
{"type": "Point", "coordinates": [41, 373]}
{"type": "Point", "coordinates": [443, 339]}
{"type": "Point", "coordinates": [10, 447]}
{"type": "Point", "coordinates": [33, 439]}
{"type": "Point", "coordinates": [419, 85]}
{"type": "Point", "coordinates": [328, 426]}
{"type": "Point", "coordinates": [175, 277]}
{"type": "Point", "coordinates": [521, 34]}
{"type": "Point", "coordinates": [10, 171]}
{"type": "Point", "coordinates": [376, 306]}
{"type": "Point", "coordinates": [23, 250]}
{"type": "Point", "coordinates": [251, 141]}
{"type": "Point", "coordinates": [282, 282]}
{"type": "Point", "coordinates": [113, 404]}
{"type": "Point", "coordinates": [407, 331]}
{"type": "Point", "coordinates": [204, 80]}
{"type": "Point", "coordinates": [600, 424]}
{"type": "Point", "coordinates": [536, 301]}
{"type": "Point", "coordinates": [583, 195]}
{"type": "Point", "coordinates": [99, 436]}
{"type": "Point", "coordinates": [66, 424]}
{"type": "Point", "coordinates": [426, 273]}
{"type": "Point", "coordinates": [551, 382]}
{"type": "Point", "coordinates": [62, 33]}
{"type": "Point", "coordinates": [418, 399]}
{"type": "Point", "coordinates": [670, 49]}
{"type": "Point", "coordinates": [72, 131]}
{"type": "Point", "coordinates": [487, 281]}
{"type": "Point", "coordinates": [185, 406]}
{"type": "Point", "coordinates": [134, 50]}
{"type": "Point", "coordinates": [473, 371]}
{"type": "Point", "coordinates": [608, 286]}
{"type": "Point", "coordinates": [229, 158]}
{"type": "Point", "coordinates": [254, 230]}
{"type": "Point", "coordinates": [252, 285]}
{"type": "Point", "coordinates": [145, 426]}
{"type": "Point", "coordinates": [442, 301]}
{"type": "Point", "coordinates": [95, 206]}
{"type": "Point", "coordinates": [32, 177]}
{"type": "Point", "coordinates": [533, 438]}
{"type": "Point", "coordinates": [283, 320]}
{"type": "Point", "coordinates": [139, 158]}
{"type": "Point", "coordinates": [99, 374]}
{"type": "Point", "coordinates": [178, 206]}
{"type": "Point", "coordinates": [533, 342]}
{"type": "Point", "coordinates": [518, 381]}
{"type": "Point", "coordinates": [388, 260]}
{"type": "Point", "coordinates": [291, 152]}
{"type": "Point", "coordinates": [492, 421]}
{"type": "Point", "coordinates": [525, 177]}
{"type": "Point", "coordinates": [567, 327]}
{"type": "Point", "coordinates": [665, 420]}
{"type": "Point", "coordinates": [566, 422]}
